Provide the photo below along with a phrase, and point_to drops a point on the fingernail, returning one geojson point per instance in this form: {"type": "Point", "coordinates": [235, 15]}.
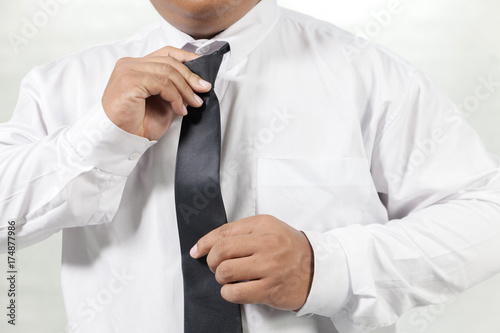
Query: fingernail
{"type": "Point", "coordinates": [198, 99]}
{"type": "Point", "coordinates": [193, 250]}
{"type": "Point", "coordinates": [204, 83]}
{"type": "Point", "coordinates": [185, 110]}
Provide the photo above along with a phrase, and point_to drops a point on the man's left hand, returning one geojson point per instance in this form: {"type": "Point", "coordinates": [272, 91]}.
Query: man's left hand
{"type": "Point", "coordinates": [259, 259]}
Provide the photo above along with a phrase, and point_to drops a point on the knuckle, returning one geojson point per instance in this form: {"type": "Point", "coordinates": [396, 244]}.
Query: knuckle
{"type": "Point", "coordinates": [274, 291]}
{"type": "Point", "coordinates": [267, 218]}
{"type": "Point", "coordinates": [221, 247]}
{"type": "Point", "coordinates": [127, 77]}
{"type": "Point", "coordinates": [271, 238]}
{"type": "Point", "coordinates": [169, 49]}
{"type": "Point", "coordinates": [123, 61]}
{"type": "Point", "coordinates": [211, 262]}
{"type": "Point", "coordinates": [166, 82]}
{"type": "Point", "coordinates": [186, 85]}
{"type": "Point", "coordinates": [193, 77]}
{"type": "Point", "coordinates": [167, 69]}
{"type": "Point", "coordinates": [202, 244]}
{"type": "Point", "coordinates": [274, 262]}
{"type": "Point", "coordinates": [184, 88]}
{"type": "Point", "coordinates": [225, 231]}
{"type": "Point", "coordinates": [260, 219]}
{"type": "Point", "coordinates": [225, 272]}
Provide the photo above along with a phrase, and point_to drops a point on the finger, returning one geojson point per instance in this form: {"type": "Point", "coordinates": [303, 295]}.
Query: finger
{"type": "Point", "coordinates": [249, 292]}
{"type": "Point", "coordinates": [195, 81]}
{"type": "Point", "coordinates": [205, 244]}
{"type": "Point", "coordinates": [232, 247]}
{"type": "Point", "coordinates": [179, 54]}
{"type": "Point", "coordinates": [166, 89]}
{"type": "Point", "coordinates": [184, 82]}
{"type": "Point", "coordinates": [183, 56]}
{"type": "Point", "coordinates": [240, 269]}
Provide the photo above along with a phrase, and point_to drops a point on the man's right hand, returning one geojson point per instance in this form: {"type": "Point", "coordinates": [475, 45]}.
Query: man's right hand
{"type": "Point", "coordinates": [144, 95]}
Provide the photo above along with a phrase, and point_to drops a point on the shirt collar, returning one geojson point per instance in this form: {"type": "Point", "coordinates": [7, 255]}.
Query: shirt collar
{"type": "Point", "coordinates": [243, 36]}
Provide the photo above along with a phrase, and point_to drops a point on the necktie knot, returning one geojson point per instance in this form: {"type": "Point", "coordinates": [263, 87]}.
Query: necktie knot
{"type": "Point", "coordinates": [207, 66]}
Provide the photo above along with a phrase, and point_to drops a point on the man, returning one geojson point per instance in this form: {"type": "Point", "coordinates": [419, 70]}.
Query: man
{"type": "Point", "coordinates": [355, 190]}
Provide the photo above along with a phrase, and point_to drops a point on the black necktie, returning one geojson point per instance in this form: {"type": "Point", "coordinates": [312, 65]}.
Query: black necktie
{"type": "Point", "coordinates": [200, 208]}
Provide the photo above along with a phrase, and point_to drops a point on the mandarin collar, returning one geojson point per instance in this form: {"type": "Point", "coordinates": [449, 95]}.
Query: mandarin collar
{"type": "Point", "coordinates": [243, 36]}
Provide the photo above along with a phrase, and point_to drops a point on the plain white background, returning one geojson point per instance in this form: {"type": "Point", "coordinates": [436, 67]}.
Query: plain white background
{"type": "Point", "coordinates": [454, 42]}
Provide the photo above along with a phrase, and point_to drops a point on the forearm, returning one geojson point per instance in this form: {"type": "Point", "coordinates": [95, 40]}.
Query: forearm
{"type": "Point", "coordinates": [72, 178]}
{"type": "Point", "coordinates": [425, 258]}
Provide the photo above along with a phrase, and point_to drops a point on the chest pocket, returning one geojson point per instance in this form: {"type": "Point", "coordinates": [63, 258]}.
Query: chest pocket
{"type": "Point", "coordinates": [314, 194]}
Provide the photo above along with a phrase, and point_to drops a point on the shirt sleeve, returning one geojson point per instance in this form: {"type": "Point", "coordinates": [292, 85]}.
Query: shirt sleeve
{"type": "Point", "coordinates": [441, 190]}
{"type": "Point", "coordinates": [69, 177]}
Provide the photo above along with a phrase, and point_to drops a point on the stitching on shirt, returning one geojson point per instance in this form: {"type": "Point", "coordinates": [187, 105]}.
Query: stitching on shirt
{"type": "Point", "coordinates": [395, 115]}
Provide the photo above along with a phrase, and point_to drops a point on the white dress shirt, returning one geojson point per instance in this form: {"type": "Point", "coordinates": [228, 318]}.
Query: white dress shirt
{"type": "Point", "coordinates": [342, 140]}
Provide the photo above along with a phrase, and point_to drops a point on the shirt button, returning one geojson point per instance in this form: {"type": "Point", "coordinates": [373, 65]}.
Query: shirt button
{"type": "Point", "coordinates": [205, 49]}
{"type": "Point", "coordinates": [134, 156]}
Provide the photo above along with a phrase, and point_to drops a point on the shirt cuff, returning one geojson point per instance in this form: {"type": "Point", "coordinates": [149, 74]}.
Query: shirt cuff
{"type": "Point", "coordinates": [330, 287]}
{"type": "Point", "coordinates": [98, 142]}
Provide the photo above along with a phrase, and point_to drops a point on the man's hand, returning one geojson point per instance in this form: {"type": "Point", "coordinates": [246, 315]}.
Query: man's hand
{"type": "Point", "coordinates": [144, 95]}
{"type": "Point", "coordinates": [270, 261]}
